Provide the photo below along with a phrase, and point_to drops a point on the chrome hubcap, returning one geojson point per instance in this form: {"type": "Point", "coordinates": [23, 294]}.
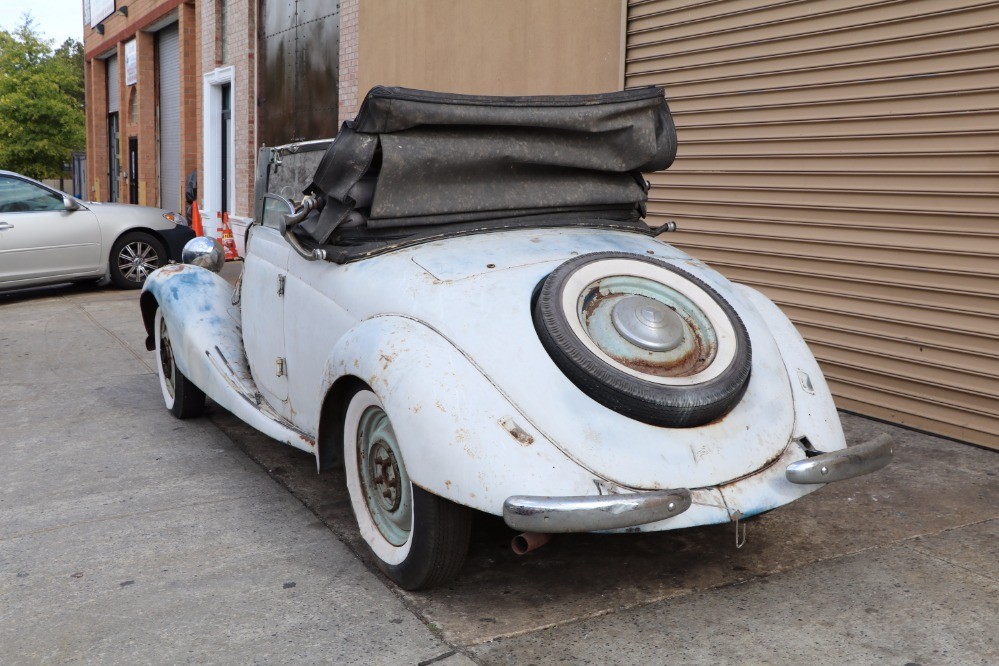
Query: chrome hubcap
{"type": "Point", "coordinates": [647, 323]}
{"type": "Point", "coordinates": [137, 260]}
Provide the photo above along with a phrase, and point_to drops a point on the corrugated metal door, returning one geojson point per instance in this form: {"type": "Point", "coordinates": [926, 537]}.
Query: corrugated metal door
{"type": "Point", "coordinates": [842, 157]}
{"type": "Point", "coordinates": [168, 71]}
{"type": "Point", "coordinates": [112, 84]}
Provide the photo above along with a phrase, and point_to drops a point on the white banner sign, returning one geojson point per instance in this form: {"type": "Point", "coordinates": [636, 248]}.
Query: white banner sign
{"type": "Point", "coordinates": [131, 66]}
{"type": "Point", "coordinates": [100, 10]}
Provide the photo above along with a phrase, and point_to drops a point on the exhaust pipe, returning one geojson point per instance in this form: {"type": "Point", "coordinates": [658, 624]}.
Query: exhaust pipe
{"type": "Point", "coordinates": [528, 541]}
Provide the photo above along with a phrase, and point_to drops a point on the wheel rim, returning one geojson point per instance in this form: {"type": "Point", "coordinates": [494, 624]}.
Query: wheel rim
{"type": "Point", "coordinates": [590, 298]}
{"type": "Point", "coordinates": [137, 260]}
{"type": "Point", "coordinates": [387, 491]}
{"type": "Point", "coordinates": [646, 326]}
{"type": "Point", "coordinates": [166, 360]}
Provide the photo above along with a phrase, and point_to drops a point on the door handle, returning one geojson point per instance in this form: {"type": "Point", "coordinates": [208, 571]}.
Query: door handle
{"type": "Point", "coordinates": [5, 225]}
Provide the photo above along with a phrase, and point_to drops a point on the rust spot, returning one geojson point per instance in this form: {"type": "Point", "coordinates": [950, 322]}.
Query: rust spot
{"type": "Point", "coordinates": [522, 436]}
{"type": "Point", "coordinates": [447, 484]}
{"type": "Point", "coordinates": [416, 409]}
{"type": "Point", "coordinates": [386, 360]}
{"type": "Point", "coordinates": [170, 269]}
{"type": "Point", "coordinates": [461, 435]}
{"type": "Point", "coordinates": [590, 302]}
{"type": "Point", "coordinates": [440, 406]}
{"type": "Point", "coordinates": [357, 364]}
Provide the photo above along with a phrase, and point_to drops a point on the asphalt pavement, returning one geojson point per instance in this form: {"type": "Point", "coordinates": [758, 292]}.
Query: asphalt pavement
{"type": "Point", "coordinates": [127, 536]}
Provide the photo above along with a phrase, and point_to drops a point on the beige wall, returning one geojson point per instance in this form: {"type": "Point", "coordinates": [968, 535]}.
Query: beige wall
{"type": "Point", "coordinates": [514, 47]}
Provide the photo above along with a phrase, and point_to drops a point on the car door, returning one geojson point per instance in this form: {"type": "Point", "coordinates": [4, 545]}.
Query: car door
{"type": "Point", "coordinates": [40, 240]}
{"type": "Point", "coordinates": [263, 310]}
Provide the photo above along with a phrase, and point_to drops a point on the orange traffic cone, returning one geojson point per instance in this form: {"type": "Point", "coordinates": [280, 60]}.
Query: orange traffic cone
{"type": "Point", "coordinates": [228, 242]}
{"type": "Point", "coordinates": [196, 219]}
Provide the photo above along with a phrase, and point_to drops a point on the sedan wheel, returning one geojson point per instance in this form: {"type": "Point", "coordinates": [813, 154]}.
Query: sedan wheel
{"type": "Point", "coordinates": [181, 396]}
{"type": "Point", "coordinates": [133, 257]}
{"type": "Point", "coordinates": [419, 539]}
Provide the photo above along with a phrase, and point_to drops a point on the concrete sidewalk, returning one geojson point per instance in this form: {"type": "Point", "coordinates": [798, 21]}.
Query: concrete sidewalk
{"type": "Point", "coordinates": [127, 536]}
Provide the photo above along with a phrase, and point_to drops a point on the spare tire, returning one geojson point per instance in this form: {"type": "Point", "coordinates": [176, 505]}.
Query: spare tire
{"type": "Point", "coordinates": [644, 338]}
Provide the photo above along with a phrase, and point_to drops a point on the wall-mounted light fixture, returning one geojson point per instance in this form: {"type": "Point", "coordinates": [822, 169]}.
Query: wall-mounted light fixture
{"type": "Point", "coordinates": [99, 28]}
{"type": "Point", "coordinates": [123, 10]}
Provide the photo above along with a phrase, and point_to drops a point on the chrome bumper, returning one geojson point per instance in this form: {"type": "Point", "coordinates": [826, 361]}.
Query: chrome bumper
{"type": "Point", "coordinates": [592, 513]}
{"type": "Point", "coordinates": [611, 512]}
{"type": "Point", "coordinates": [843, 464]}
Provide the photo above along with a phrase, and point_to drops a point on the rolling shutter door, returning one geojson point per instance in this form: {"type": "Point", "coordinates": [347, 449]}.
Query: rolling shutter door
{"type": "Point", "coordinates": [168, 71]}
{"type": "Point", "coordinates": [842, 156]}
{"type": "Point", "coordinates": [112, 84]}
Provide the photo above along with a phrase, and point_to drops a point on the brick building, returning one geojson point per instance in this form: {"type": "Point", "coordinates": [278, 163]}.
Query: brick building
{"type": "Point", "coordinates": [170, 90]}
{"type": "Point", "coordinates": [143, 113]}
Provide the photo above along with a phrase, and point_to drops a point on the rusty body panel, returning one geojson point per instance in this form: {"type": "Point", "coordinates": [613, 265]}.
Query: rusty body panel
{"type": "Point", "coordinates": [485, 434]}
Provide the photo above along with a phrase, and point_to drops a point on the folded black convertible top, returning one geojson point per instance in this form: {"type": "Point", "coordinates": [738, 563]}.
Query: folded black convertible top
{"type": "Point", "coordinates": [418, 164]}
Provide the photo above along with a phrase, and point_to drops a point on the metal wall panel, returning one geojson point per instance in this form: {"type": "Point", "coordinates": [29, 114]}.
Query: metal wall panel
{"type": "Point", "coordinates": [112, 84]}
{"type": "Point", "coordinates": [299, 70]}
{"type": "Point", "coordinates": [842, 156]}
{"type": "Point", "coordinates": [168, 73]}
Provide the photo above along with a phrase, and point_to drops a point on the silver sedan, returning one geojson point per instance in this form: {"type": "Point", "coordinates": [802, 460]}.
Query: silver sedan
{"type": "Point", "coordinates": [47, 237]}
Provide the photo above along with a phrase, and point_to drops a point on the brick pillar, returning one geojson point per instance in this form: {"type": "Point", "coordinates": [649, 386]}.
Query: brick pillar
{"type": "Point", "coordinates": [349, 30]}
{"type": "Point", "coordinates": [190, 86]}
{"type": "Point", "coordinates": [142, 118]}
{"type": "Point", "coordinates": [243, 54]}
{"type": "Point", "coordinates": [97, 130]}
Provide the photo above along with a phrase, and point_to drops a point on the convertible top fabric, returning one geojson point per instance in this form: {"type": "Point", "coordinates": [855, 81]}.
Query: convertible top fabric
{"type": "Point", "coordinates": [415, 164]}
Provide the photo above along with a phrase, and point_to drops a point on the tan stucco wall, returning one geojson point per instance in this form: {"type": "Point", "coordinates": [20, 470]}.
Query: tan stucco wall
{"type": "Point", "coordinates": [513, 47]}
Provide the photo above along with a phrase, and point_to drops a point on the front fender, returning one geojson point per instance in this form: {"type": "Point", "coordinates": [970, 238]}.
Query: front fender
{"type": "Point", "coordinates": [206, 334]}
{"type": "Point", "coordinates": [460, 436]}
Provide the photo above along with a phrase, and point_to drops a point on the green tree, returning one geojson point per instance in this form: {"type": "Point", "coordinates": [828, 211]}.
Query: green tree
{"type": "Point", "coordinates": [42, 118]}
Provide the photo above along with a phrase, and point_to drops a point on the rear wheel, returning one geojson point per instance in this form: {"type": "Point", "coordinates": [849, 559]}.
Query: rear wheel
{"type": "Point", "coordinates": [133, 257]}
{"type": "Point", "coordinates": [420, 540]}
{"type": "Point", "coordinates": [182, 397]}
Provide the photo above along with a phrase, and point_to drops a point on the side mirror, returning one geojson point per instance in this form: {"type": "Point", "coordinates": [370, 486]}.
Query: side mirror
{"type": "Point", "coordinates": [70, 204]}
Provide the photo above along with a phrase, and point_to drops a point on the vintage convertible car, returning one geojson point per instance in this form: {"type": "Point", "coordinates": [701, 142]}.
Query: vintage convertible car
{"type": "Point", "coordinates": [468, 311]}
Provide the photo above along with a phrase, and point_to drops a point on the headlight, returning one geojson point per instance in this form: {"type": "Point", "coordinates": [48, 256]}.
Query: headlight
{"type": "Point", "coordinates": [176, 218]}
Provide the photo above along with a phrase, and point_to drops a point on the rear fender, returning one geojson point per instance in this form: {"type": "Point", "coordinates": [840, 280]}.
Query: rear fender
{"type": "Point", "coordinates": [460, 436]}
{"type": "Point", "coordinates": [815, 416]}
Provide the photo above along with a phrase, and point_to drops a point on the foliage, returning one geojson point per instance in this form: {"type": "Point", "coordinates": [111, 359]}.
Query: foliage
{"type": "Point", "coordinates": [42, 117]}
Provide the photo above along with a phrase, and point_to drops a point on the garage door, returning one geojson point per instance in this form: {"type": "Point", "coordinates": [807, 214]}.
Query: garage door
{"type": "Point", "coordinates": [168, 71]}
{"type": "Point", "coordinates": [112, 83]}
{"type": "Point", "coordinates": [842, 156]}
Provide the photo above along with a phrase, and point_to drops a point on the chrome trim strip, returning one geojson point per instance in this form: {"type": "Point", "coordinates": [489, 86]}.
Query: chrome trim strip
{"type": "Point", "coordinates": [843, 464]}
{"type": "Point", "coordinates": [593, 513]}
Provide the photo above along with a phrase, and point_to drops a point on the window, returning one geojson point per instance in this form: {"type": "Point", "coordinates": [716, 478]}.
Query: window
{"type": "Point", "coordinates": [20, 196]}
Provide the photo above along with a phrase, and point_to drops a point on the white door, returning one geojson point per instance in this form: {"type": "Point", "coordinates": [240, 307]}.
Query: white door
{"type": "Point", "coordinates": [262, 304]}
{"type": "Point", "coordinates": [39, 239]}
